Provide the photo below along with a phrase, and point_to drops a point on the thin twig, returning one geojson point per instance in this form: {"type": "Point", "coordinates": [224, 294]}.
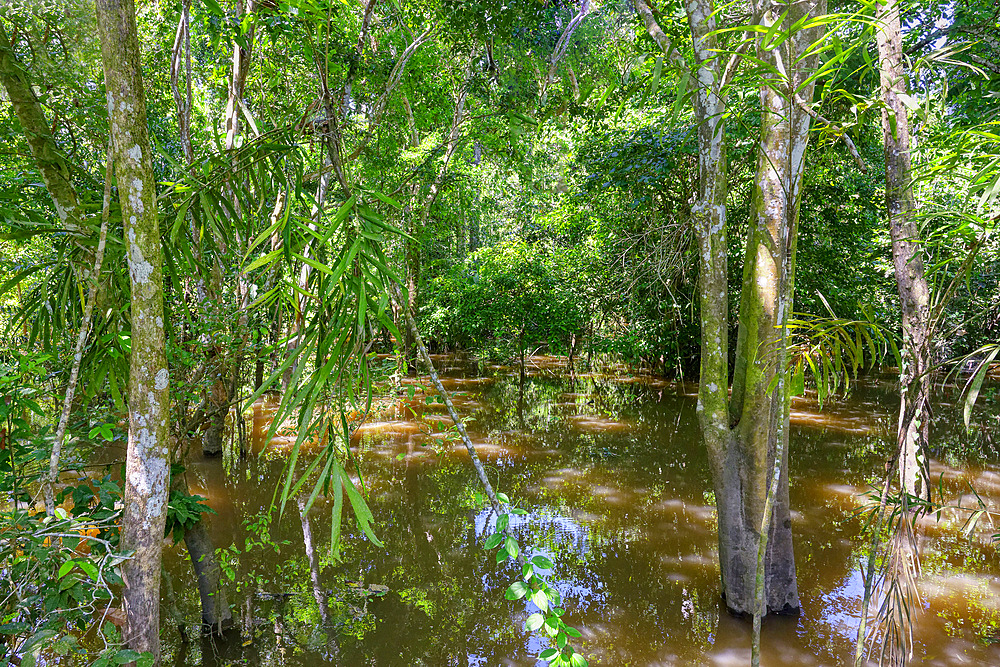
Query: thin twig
{"type": "Point", "coordinates": [81, 341]}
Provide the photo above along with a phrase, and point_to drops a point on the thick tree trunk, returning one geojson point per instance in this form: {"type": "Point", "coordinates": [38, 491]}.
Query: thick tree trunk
{"type": "Point", "coordinates": [914, 296]}
{"type": "Point", "coordinates": [146, 468]}
{"type": "Point", "coordinates": [760, 401]}
{"type": "Point", "coordinates": [745, 436]}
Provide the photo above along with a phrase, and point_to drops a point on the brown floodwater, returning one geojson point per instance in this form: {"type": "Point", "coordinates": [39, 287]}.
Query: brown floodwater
{"type": "Point", "coordinates": [615, 480]}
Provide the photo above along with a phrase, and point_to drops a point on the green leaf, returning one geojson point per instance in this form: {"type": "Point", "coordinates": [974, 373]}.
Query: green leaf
{"type": "Point", "coordinates": [126, 656]}
{"type": "Point", "coordinates": [975, 384]}
{"type": "Point", "coordinates": [797, 387]}
{"type": "Point", "coordinates": [64, 569]}
{"type": "Point", "coordinates": [493, 541]}
{"type": "Point", "coordinates": [534, 622]}
{"type": "Point", "coordinates": [516, 591]}
{"type": "Point", "coordinates": [89, 568]}
{"type": "Point", "coordinates": [510, 546]}
{"type": "Point", "coordinates": [542, 562]}
{"type": "Point", "coordinates": [548, 654]}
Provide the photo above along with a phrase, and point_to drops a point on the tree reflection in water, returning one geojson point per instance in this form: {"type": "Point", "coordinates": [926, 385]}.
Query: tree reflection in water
{"type": "Point", "coordinates": [612, 472]}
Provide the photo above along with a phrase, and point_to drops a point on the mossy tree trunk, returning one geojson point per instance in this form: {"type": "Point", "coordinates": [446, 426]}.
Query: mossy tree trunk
{"type": "Point", "coordinates": [759, 409]}
{"type": "Point", "coordinates": [743, 434]}
{"type": "Point", "coordinates": [914, 295]}
{"type": "Point", "coordinates": [146, 469]}
{"type": "Point", "coordinates": [51, 163]}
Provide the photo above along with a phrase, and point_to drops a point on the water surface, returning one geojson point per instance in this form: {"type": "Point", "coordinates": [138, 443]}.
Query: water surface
{"type": "Point", "coordinates": [615, 479]}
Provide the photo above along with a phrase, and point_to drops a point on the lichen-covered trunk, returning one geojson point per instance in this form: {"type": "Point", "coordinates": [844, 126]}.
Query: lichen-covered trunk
{"type": "Point", "coordinates": [746, 434]}
{"type": "Point", "coordinates": [914, 296]}
{"type": "Point", "coordinates": [760, 399]}
{"type": "Point", "coordinates": [146, 466]}
{"type": "Point", "coordinates": [708, 214]}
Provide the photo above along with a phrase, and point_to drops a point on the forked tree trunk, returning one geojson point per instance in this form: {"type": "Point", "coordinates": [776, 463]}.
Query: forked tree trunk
{"type": "Point", "coordinates": [914, 296]}
{"type": "Point", "coordinates": [743, 438]}
{"type": "Point", "coordinates": [760, 401]}
{"type": "Point", "coordinates": [147, 469]}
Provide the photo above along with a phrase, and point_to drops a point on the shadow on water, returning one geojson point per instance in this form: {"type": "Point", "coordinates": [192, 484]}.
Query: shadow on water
{"type": "Point", "coordinates": [615, 480]}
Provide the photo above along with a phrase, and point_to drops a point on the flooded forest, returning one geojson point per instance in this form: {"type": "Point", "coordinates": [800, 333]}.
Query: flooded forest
{"type": "Point", "coordinates": [471, 333]}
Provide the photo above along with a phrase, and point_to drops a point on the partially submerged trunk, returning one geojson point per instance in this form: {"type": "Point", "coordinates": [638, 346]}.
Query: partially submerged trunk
{"type": "Point", "coordinates": [147, 468]}
{"type": "Point", "coordinates": [913, 431]}
{"type": "Point", "coordinates": [216, 616]}
{"type": "Point", "coordinates": [744, 436]}
{"type": "Point", "coordinates": [759, 408]}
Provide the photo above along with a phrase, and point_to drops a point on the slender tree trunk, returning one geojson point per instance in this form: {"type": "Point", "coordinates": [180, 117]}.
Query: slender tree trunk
{"type": "Point", "coordinates": [48, 486]}
{"type": "Point", "coordinates": [147, 469]}
{"type": "Point", "coordinates": [224, 366]}
{"type": "Point", "coordinates": [238, 76]}
{"type": "Point", "coordinates": [419, 221]}
{"type": "Point", "coordinates": [51, 163]}
{"type": "Point", "coordinates": [914, 296]}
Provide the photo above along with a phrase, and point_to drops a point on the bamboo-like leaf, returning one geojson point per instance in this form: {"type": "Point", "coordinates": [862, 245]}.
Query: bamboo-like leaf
{"type": "Point", "coordinates": [975, 384]}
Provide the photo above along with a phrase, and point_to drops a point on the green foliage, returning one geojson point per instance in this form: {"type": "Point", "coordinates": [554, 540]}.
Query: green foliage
{"type": "Point", "coordinates": [533, 587]}
{"type": "Point", "coordinates": [183, 512]}
{"type": "Point", "coordinates": [59, 578]}
{"type": "Point", "coordinates": [507, 297]}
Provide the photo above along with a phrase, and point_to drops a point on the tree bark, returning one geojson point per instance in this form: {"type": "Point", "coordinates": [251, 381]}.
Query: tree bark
{"type": "Point", "coordinates": [238, 76]}
{"type": "Point", "coordinates": [913, 431]}
{"type": "Point", "coordinates": [51, 163]}
{"type": "Point", "coordinates": [417, 224]}
{"type": "Point", "coordinates": [760, 400]}
{"type": "Point", "coordinates": [146, 468]}
{"type": "Point", "coordinates": [744, 435]}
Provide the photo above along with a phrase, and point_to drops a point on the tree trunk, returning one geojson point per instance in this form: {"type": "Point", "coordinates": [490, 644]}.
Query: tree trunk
{"type": "Point", "coordinates": [224, 365]}
{"type": "Point", "coordinates": [147, 469]}
{"type": "Point", "coordinates": [412, 251]}
{"type": "Point", "coordinates": [238, 76]}
{"type": "Point", "coordinates": [419, 222]}
{"type": "Point", "coordinates": [744, 437]}
{"type": "Point", "coordinates": [51, 163]}
{"type": "Point", "coordinates": [914, 296]}
{"type": "Point", "coordinates": [760, 400]}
